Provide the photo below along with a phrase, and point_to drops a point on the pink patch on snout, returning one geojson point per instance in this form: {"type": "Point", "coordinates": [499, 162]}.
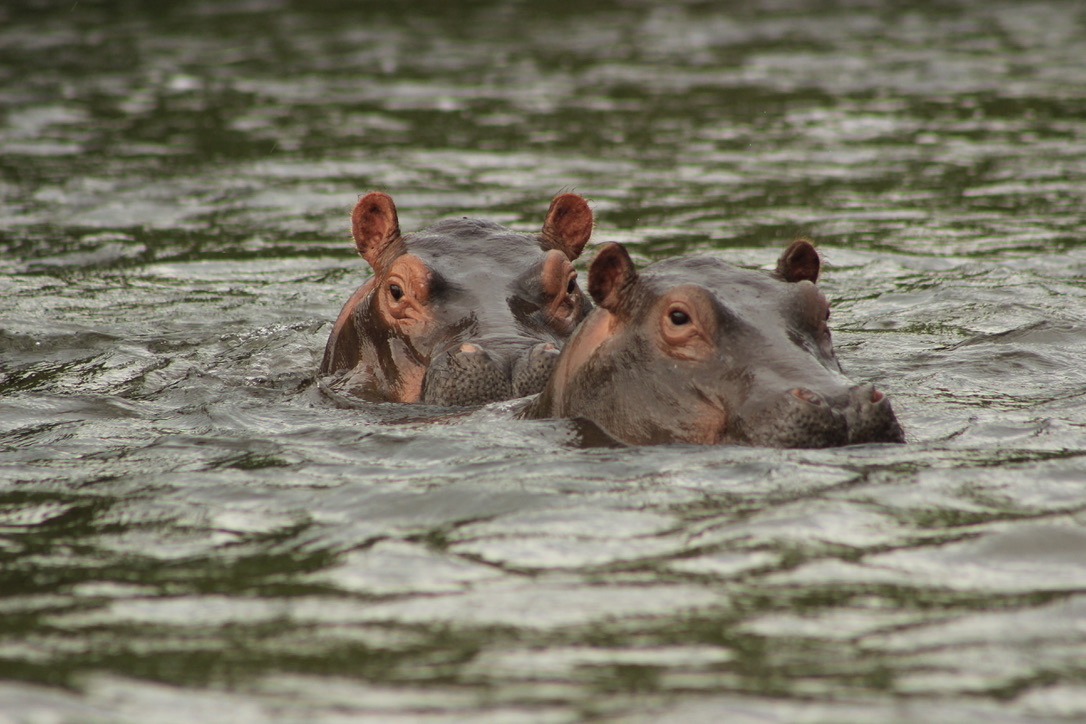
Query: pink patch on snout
{"type": "Point", "coordinates": [468, 348]}
{"type": "Point", "coordinates": [806, 395]}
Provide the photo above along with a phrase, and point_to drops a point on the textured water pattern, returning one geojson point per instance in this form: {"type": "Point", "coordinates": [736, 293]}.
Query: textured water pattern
{"type": "Point", "coordinates": [191, 531]}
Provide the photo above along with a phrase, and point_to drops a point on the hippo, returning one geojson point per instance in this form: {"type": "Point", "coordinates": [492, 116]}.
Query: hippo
{"type": "Point", "coordinates": [692, 349]}
{"type": "Point", "coordinates": [462, 313]}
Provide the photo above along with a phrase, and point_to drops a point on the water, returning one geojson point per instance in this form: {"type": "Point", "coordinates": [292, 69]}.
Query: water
{"type": "Point", "coordinates": [191, 531]}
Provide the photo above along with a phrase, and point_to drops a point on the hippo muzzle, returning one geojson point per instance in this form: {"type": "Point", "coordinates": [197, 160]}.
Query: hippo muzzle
{"type": "Point", "coordinates": [469, 374]}
{"type": "Point", "coordinates": [800, 417]}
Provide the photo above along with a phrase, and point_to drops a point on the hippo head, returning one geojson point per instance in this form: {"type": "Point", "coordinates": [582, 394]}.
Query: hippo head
{"type": "Point", "coordinates": [695, 350]}
{"type": "Point", "coordinates": [462, 313]}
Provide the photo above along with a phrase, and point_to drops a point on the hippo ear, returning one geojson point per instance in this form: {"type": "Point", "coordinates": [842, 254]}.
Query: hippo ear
{"type": "Point", "coordinates": [799, 262]}
{"type": "Point", "coordinates": [568, 225]}
{"type": "Point", "coordinates": [374, 225]}
{"type": "Point", "coordinates": [611, 272]}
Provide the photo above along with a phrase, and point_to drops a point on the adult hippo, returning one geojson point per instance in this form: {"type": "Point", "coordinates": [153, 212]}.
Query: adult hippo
{"type": "Point", "coordinates": [461, 313]}
{"type": "Point", "coordinates": [695, 350]}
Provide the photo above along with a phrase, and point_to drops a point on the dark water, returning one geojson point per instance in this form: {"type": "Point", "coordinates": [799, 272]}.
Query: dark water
{"type": "Point", "coordinates": [190, 531]}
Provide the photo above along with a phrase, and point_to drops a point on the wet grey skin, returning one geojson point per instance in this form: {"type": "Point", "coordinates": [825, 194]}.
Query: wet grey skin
{"type": "Point", "coordinates": [694, 350]}
{"type": "Point", "coordinates": [462, 313]}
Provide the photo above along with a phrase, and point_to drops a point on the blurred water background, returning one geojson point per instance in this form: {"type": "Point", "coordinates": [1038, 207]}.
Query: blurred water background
{"type": "Point", "coordinates": [190, 531]}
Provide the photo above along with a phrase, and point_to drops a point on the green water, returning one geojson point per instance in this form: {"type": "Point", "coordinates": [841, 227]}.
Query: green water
{"type": "Point", "coordinates": [190, 531]}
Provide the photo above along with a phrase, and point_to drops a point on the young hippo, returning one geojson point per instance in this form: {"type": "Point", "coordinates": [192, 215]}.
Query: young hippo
{"type": "Point", "coordinates": [695, 350]}
{"type": "Point", "coordinates": [464, 312]}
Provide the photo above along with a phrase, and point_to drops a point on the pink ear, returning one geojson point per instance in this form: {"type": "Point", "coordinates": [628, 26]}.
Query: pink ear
{"type": "Point", "coordinates": [568, 225]}
{"type": "Point", "coordinates": [374, 225]}
{"type": "Point", "coordinates": [611, 273]}
{"type": "Point", "coordinates": [799, 262]}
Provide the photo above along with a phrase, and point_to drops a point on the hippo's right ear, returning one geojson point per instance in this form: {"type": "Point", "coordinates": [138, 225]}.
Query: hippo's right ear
{"type": "Point", "coordinates": [612, 271]}
{"type": "Point", "coordinates": [374, 225]}
{"type": "Point", "coordinates": [799, 262]}
{"type": "Point", "coordinates": [568, 225]}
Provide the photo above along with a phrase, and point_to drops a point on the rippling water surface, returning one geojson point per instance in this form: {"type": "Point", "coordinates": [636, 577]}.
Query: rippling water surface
{"type": "Point", "coordinates": [191, 531]}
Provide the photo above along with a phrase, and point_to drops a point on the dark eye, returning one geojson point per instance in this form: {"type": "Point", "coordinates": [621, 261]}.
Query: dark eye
{"type": "Point", "coordinates": [396, 291]}
{"type": "Point", "coordinates": [678, 317]}
{"type": "Point", "coordinates": [572, 286]}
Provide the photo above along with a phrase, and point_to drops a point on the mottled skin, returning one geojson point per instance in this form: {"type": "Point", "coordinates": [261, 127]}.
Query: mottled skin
{"type": "Point", "coordinates": [695, 350]}
{"type": "Point", "coordinates": [464, 312]}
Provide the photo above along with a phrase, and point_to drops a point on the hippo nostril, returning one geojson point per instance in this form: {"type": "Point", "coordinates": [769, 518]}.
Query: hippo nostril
{"type": "Point", "coordinates": [806, 395]}
{"type": "Point", "coordinates": [870, 418]}
{"type": "Point", "coordinates": [798, 417]}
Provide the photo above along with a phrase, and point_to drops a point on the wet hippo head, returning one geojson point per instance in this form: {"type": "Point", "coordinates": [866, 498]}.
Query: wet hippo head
{"type": "Point", "coordinates": [462, 313]}
{"type": "Point", "coordinates": [695, 350]}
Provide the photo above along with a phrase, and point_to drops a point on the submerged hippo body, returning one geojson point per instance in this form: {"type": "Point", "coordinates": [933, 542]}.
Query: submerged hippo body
{"type": "Point", "coordinates": [695, 350]}
{"type": "Point", "coordinates": [464, 312]}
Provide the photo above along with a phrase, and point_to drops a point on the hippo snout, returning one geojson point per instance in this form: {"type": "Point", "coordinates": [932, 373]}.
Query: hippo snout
{"type": "Point", "coordinates": [798, 417]}
{"type": "Point", "coordinates": [870, 417]}
{"type": "Point", "coordinates": [802, 417]}
{"type": "Point", "coordinates": [470, 374]}
{"type": "Point", "coordinates": [465, 375]}
{"type": "Point", "coordinates": [532, 370]}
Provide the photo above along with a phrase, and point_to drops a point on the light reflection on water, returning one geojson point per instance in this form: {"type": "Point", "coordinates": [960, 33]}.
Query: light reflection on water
{"type": "Point", "coordinates": [190, 529]}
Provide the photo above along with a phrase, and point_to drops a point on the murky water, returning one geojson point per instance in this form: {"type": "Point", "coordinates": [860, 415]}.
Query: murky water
{"type": "Point", "coordinates": [191, 531]}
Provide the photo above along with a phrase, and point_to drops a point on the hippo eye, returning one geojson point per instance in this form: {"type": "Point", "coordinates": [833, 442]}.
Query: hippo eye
{"type": "Point", "coordinates": [396, 291]}
{"type": "Point", "coordinates": [678, 317]}
{"type": "Point", "coordinates": [572, 286]}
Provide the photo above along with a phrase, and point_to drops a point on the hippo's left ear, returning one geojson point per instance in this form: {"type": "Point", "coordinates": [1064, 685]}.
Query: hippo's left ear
{"type": "Point", "coordinates": [610, 275]}
{"type": "Point", "coordinates": [567, 226]}
{"type": "Point", "coordinates": [374, 225]}
{"type": "Point", "coordinates": [799, 262]}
